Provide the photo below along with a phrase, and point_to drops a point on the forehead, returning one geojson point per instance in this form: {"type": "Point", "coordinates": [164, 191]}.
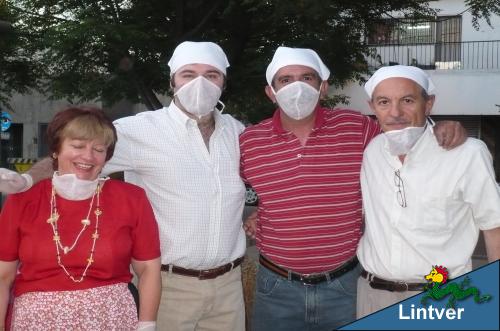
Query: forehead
{"type": "Point", "coordinates": [83, 140]}
{"type": "Point", "coordinates": [198, 68]}
{"type": "Point", "coordinates": [86, 129]}
{"type": "Point", "coordinates": [295, 70]}
{"type": "Point", "coordinates": [397, 86]}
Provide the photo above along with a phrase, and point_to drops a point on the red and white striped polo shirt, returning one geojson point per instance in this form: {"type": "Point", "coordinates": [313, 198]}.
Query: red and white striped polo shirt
{"type": "Point", "coordinates": [309, 196]}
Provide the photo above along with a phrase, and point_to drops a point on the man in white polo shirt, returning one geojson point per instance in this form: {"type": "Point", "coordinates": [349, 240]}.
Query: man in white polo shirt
{"type": "Point", "coordinates": [186, 156]}
{"type": "Point", "coordinates": [424, 206]}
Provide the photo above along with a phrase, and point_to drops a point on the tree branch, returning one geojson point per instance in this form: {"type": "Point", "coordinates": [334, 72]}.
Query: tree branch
{"type": "Point", "coordinates": [203, 22]}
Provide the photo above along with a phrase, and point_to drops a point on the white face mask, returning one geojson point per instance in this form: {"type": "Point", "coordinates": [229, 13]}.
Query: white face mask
{"type": "Point", "coordinates": [400, 142]}
{"type": "Point", "coordinates": [297, 99]}
{"type": "Point", "coordinates": [70, 187]}
{"type": "Point", "coordinates": [199, 97]}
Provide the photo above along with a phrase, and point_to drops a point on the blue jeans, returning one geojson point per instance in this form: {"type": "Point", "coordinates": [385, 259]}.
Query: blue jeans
{"type": "Point", "coordinates": [288, 305]}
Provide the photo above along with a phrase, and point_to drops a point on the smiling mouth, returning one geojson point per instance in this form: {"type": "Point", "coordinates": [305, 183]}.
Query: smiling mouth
{"type": "Point", "coordinates": [83, 166]}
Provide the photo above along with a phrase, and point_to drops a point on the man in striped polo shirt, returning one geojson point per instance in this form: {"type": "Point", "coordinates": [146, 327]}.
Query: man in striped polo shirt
{"type": "Point", "coordinates": [304, 164]}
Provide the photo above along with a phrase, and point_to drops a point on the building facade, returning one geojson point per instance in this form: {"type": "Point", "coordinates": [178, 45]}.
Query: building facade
{"type": "Point", "coordinates": [464, 64]}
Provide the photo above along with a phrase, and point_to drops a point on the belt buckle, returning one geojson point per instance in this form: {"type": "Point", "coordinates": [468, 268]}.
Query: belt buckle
{"type": "Point", "coordinates": [309, 280]}
{"type": "Point", "coordinates": [204, 274]}
{"type": "Point", "coordinates": [405, 284]}
{"type": "Point", "coordinates": [306, 280]}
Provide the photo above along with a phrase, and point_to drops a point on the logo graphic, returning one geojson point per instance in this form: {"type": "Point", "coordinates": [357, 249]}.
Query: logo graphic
{"type": "Point", "coordinates": [435, 291]}
{"type": "Point", "coordinates": [5, 121]}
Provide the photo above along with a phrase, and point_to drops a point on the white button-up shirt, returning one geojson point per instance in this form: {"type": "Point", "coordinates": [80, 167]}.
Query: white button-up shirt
{"type": "Point", "coordinates": [196, 193]}
{"type": "Point", "coordinates": [450, 196]}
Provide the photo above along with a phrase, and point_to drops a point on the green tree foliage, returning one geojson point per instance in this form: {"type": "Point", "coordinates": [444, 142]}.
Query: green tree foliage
{"type": "Point", "coordinates": [114, 49]}
{"type": "Point", "coordinates": [17, 72]}
{"type": "Point", "coordinates": [482, 9]}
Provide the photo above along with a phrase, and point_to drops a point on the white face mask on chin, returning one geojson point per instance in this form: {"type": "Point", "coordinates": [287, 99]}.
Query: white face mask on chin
{"type": "Point", "coordinates": [400, 142]}
{"type": "Point", "coordinates": [71, 187]}
{"type": "Point", "coordinates": [199, 97]}
{"type": "Point", "coordinates": [297, 99]}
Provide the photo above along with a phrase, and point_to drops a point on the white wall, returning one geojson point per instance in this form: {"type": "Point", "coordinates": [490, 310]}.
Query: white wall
{"type": "Point", "coordinates": [456, 7]}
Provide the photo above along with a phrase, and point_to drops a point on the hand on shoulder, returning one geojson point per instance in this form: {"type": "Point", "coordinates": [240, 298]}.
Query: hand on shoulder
{"type": "Point", "coordinates": [13, 182]}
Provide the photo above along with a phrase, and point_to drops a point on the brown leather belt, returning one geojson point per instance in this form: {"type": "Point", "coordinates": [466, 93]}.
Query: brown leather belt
{"type": "Point", "coordinates": [382, 284]}
{"type": "Point", "coordinates": [203, 274]}
{"type": "Point", "coordinates": [309, 279]}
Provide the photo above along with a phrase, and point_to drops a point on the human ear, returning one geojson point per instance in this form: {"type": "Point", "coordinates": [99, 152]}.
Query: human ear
{"type": "Point", "coordinates": [270, 93]}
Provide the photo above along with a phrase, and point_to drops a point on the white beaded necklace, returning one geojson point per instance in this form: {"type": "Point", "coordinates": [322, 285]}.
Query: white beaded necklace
{"type": "Point", "coordinates": [54, 218]}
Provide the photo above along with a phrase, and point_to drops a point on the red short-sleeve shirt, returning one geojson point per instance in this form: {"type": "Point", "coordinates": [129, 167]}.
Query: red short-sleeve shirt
{"type": "Point", "coordinates": [309, 196]}
{"type": "Point", "coordinates": [127, 229]}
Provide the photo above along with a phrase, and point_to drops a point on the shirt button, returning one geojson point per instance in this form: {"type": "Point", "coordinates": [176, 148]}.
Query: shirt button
{"type": "Point", "coordinates": [299, 155]}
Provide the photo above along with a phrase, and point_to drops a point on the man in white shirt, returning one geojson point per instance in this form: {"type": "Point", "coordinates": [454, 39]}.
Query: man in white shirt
{"type": "Point", "coordinates": [419, 212]}
{"type": "Point", "coordinates": [186, 156]}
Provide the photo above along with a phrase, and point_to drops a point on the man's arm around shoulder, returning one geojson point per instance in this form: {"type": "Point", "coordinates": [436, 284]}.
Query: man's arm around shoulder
{"type": "Point", "coordinates": [13, 182]}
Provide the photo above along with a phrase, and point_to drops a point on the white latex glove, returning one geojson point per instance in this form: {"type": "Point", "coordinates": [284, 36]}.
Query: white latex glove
{"type": "Point", "coordinates": [146, 326]}
{"type": "Point", "coordinates": [12, 182]}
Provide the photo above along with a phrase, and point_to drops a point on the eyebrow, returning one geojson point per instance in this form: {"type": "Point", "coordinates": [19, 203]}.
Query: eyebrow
{"type": "Point", "coordinates": [386, 97]}
{"type": "Point", "coordinates": [213, 72]}
{"type": "Point", "coordinates": [186, 71]}
{"type": "Point", "coordinates": [189, 71]}
{"type": "Point", "coordinates": [307, 74]}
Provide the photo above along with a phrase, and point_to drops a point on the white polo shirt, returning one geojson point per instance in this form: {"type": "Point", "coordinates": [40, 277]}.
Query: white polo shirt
{"type": "Point", "coordinates": [197, 194]}
{"type": "Point", "coordinates": [450, 196]}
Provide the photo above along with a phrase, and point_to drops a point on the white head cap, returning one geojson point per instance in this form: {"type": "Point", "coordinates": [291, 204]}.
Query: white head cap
{"type": "Point", "coordinates": [204, 52]}
{"type": "Point", "coordinates": [415, 74]}
{"type": "Point", "coordinates": [286, 56]}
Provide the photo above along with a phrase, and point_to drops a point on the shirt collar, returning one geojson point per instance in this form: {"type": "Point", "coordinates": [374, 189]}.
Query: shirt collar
{"type": "Point", "coordinates": [178, 115]}
{"type": "Point", "coordinates": [318, 121]}
{"type": "Point", "coordinates": [422, 143]}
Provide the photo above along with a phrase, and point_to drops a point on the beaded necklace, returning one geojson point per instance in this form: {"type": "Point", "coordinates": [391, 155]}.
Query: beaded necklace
{"type": "Point", "coordinates": [54, 218]}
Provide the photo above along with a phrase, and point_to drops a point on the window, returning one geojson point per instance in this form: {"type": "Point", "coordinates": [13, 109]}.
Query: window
{"type": "Point", "coordinates": [403, 31]}
{"type": "Point", "coordinates": [429, 44]}
{"type": "Point", "coordinates": [448, 40]}
{"type": "Point", "coordinates": [408, 31]}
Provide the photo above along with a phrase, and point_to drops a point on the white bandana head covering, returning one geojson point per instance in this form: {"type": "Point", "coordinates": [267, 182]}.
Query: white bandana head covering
{"type": "Point", "coordinates": [286, 56]}
{"type": "Point", "coordinates": [204, 52]}
{"type": "Point", "coordinates": [415, 74]}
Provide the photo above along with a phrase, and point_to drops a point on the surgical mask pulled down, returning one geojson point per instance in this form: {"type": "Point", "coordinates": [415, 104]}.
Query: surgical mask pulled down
{"type": "Point", "coordinates": [297, 99]}
{"type": "Point", "coordinates": [71, 187]}
{"type": "Point", "coordinates": [400, 142]}
{"type": "Point", "coordinates": [199, 97]}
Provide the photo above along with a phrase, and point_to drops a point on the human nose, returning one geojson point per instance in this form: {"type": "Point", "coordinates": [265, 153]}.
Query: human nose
{"type": "Point", "coordinates": [395, 110]}
{"type": "Point", "coordinates": [88, 153]}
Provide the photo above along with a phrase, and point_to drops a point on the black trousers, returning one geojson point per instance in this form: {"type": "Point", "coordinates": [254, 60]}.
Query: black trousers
{"type": "Point", "coordinates": [135, 293]}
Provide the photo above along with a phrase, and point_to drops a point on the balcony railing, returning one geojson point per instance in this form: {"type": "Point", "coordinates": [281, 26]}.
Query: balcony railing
{"type": "Point", "coordinates": [467, 55]}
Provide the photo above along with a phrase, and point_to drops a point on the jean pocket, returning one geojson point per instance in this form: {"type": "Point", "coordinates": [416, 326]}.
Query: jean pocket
{"type": "Point", "coordinates": [348, 282]}
{"type": "Point", "coordinates": [267, 281]}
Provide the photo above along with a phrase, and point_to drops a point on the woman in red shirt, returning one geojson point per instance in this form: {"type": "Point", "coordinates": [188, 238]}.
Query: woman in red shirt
{"type": "Point", "coordinates": [67, 244]}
